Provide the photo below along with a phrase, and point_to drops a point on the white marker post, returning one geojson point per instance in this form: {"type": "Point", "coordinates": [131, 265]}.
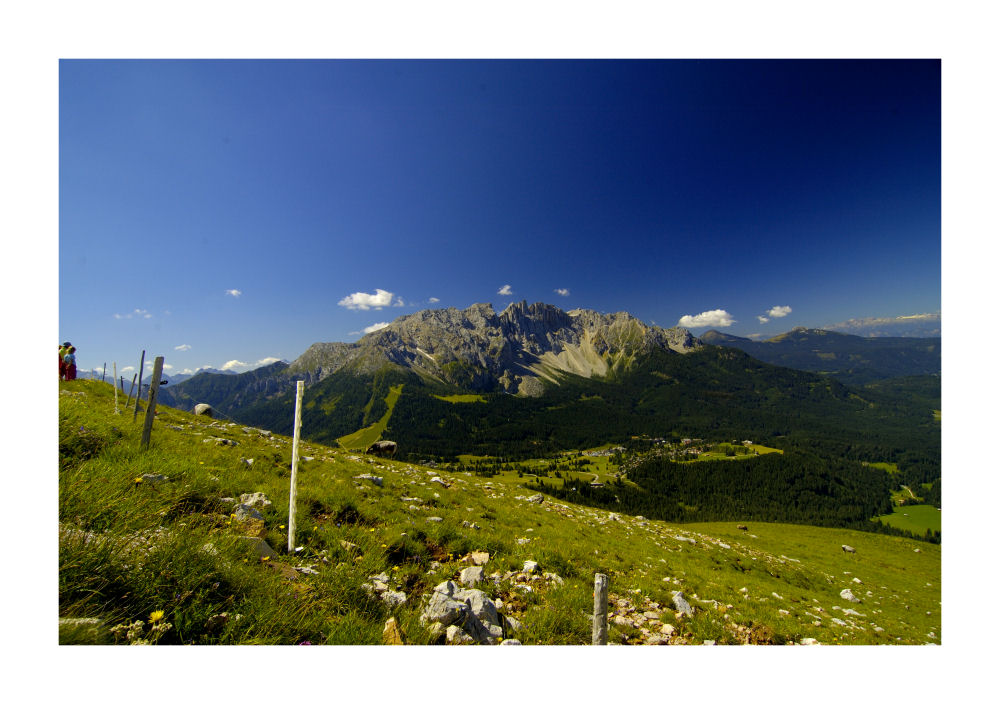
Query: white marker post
{"type": "Point", "coordinates": [299, 390]}
{"type": "Point", "coordinates": [599, 634]}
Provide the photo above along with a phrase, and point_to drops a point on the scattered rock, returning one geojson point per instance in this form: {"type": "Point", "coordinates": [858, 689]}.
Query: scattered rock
{"type": "Point", "coordinates": [808, 641]}
{"type": "Point", "coordinates": [442, 482]}
{"type": "Point", "coordinates": [471, 576]}
{"type": "Point", "coordinates": [536, 499]}
{"type": "Point", "coordinates": [454, 635]}
{"type": "Point", "coordinates": [477, 558]}
{"type": "Point", "coordinates": [154, 478]}
{"type": "Point", "coordinates": [530, 566]}
{"type": "Point", "coordinates": [377, 481]}
{"type": "Point", "coordinates": [510, 641]}
{"type": "Point", "coordinates": [255, 499]}
{"type": "Point", "coordinates": [849, 596]}
{"type": "Point", "coordinates": [243, 512]}
{"type": "Point", "coordinates": [681, 605]}
{"type": "Point", "coordinates": [261, 547]}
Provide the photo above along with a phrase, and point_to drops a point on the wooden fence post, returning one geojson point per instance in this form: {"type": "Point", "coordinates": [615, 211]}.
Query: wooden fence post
{"type": "Point", "coordinates": [138, 392]}
{"type": "Point", "coordinates": [299, 390]}
{"type": "Point", "coordinates": [600, 631]}
{"type": "Point", "coordinates": [130, 390]}
{"type": "Point", "coordinates": [147, 426]}
{"type": "Point", "coordinates": [104, 371]}
{"type": "Point", "coordinates": [114, 373]}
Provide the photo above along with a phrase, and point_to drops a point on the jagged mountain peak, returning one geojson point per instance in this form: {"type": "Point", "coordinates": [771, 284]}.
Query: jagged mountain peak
{"type": "Point", "coordinates": [515, 351]}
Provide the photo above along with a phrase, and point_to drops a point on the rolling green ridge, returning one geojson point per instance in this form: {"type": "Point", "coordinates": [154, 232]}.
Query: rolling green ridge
{"type": "Point", "coordinates": [850, 359]}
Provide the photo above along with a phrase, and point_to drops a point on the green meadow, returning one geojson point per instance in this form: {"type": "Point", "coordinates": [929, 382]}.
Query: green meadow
{"type": "Point", "coordinates": [150, 546]}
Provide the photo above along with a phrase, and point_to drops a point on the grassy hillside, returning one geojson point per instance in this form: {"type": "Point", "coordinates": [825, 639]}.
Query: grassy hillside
{"type": "Point", "coordinates": [151, 536]}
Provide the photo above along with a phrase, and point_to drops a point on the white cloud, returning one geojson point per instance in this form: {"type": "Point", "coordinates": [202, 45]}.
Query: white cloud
{"type": "Point", "coordinates": [137, 313]}
{"type": "Point", "coordinates": [127, 369]}
{"type": "Point", "coordinates": [755, 335]}
{"type": "Point", "coordinates": [434, 300]}
{"type": "Point", "coordinates": [168, 366]}
{"type": "Point", "coordinates": [763, 318]}
{"type": "Point", "coordinates": [710, 318]}
{"type": "Point", "coordinates": [367, 301]}
{"type": "Point", "coordinates": [779, 311]}
{"type": "Point", "coordinates": [182, 348]}
{"type": "Point", "coordinates": [376, 326]}
{"type": "Point", "coordinates": [234, 292]}
{"type": "Point", "coordinates": [506, 290]}
{"type": "Point", "coordinates": [562, 291]}
{"type": "Point", "coordinates": [238, 366]}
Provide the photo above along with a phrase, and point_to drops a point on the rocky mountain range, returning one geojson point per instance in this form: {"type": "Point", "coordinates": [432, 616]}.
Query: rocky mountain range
{"type": "Point", "coordinates": [514, 351]}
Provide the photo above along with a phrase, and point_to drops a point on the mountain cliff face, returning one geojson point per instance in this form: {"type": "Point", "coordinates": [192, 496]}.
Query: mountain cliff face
{"type": "Point", "coordinates": [514, 351]}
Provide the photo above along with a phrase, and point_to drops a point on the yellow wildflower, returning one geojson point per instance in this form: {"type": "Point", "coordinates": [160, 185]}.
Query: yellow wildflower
{"type": "Point", "coordinates": [138, 480]}
{"type": "Point", "coordinates": [155, 616]}
{"type": "Point", "coordinates": [265, 558]}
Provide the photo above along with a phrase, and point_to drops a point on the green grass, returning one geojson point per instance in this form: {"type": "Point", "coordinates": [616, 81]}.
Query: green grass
{"type": "Point", "coordinates": [889, 467]}
{"type": "Point", "coordinates": [361, 439]}
{"type": "Point", "coordinates": [916, 518]}
{"type": "Point", "coordinates": [463, 398]}
{"type": "Point", "coordinates": [128, 549]}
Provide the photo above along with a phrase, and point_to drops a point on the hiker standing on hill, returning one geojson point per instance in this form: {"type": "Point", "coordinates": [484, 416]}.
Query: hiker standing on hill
{"type": "Point", "coordinates": [69, 359]}
{"type": "Point", "coordinates": [63, 349]}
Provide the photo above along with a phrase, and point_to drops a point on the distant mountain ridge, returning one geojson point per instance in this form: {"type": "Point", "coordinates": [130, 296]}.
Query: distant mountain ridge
{"type": "Point", "coordinates": [848, 358]}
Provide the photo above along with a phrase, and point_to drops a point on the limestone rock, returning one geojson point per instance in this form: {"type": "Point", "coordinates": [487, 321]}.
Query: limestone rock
{"type": "Point", "coordinates": [456, 636]}
{"type": "Point", "coordinates": [477, 558]}
{"type": "Point", "coordinates": [243, 512]}
{"type": "Point", "coordinates": [849, 596]}
{"type": "Point", "coordinates": [530, 566]}
{"type": "Point", "coordinates": [510, 641]}
{"type": "Point", "coordinates": [377, 481]}
{"type": "Point", "coordinates": [471, 576]}
{"type": "Point", "coordinates": [681, 605]}
{"type": "Point", "coordinates": [256, 499]}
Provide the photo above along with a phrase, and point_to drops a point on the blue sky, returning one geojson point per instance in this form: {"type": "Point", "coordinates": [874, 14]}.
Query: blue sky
{"type": "Point", "coordinates": [237, 211]}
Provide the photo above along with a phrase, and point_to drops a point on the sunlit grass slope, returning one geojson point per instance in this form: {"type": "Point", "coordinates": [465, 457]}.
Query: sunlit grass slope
{"type": "Point", "coordinates": [169, 552]}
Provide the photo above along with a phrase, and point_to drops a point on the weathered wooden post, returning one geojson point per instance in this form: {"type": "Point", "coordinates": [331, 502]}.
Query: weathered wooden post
{"type": "Point", "coordinates": [138, 393]}
{"type": "Point", "coordinates": [600, 632]}
{"type": "Point", "coordinates": [147, 426]}
{"type": "Point", "coordinates": [114, 373]}
{"type": "Point", "coordinates": [130, 390]}
{"type": "Point", "coordinates": [299, 390]}
{"type": "Point", "coordinates": [104, 371]}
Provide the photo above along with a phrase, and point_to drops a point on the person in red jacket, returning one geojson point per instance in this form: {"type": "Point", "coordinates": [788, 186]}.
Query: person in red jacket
{"type": "Point", "coordinates": [63, 349]}
{"type": "Point", "coordinates": [70, 360]}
